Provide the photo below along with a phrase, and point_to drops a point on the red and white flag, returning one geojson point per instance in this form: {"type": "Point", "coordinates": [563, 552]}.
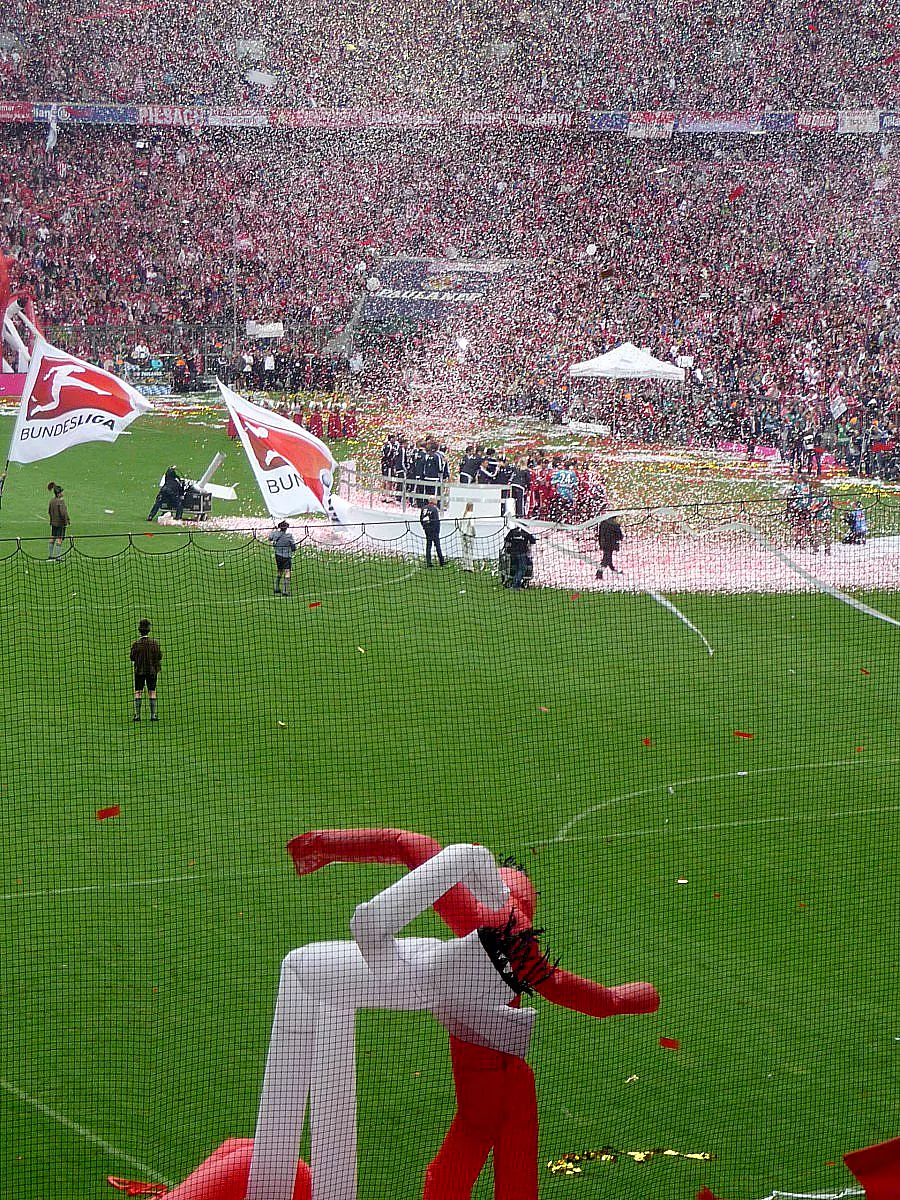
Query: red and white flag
{"type": "Point", "coordinates": [66, 402]}
{"type": "Point", "coordinates": [294, 470]}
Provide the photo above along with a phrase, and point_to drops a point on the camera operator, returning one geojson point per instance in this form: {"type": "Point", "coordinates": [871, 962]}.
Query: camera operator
{"type": "Point", "coordinates": [170, 495]}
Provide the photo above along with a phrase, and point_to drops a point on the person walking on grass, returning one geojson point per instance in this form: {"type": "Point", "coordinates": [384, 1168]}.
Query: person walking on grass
{"type": "Point", "coordinates": [285, 546]}
{"type": "Point", "coordinates": [146, 657]}
{"type": "Point", "coordinates": [430, 519]}
{"type": "Point", "coordinates": [59, 520]}
{"type": "Point", "coordinates": [609, 535]}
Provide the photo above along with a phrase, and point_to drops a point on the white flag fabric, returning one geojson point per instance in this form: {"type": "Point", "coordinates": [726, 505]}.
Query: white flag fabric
{"type": "Point", "coordinates": [66, 402]}
{"type": "Point", "coordinates": [294, 470]}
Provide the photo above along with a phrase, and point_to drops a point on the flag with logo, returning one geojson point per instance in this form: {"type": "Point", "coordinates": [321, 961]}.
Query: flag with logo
{"type": "Point", "coordinates": [294, 470]}
{"type": "Point", "coordinates": [66, 401]}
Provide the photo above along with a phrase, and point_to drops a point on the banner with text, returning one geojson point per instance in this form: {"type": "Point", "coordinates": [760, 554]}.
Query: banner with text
{"type": "Point", "coordinates": [431, 289]}
{"type": "Point", "coordinates": [67, 402]}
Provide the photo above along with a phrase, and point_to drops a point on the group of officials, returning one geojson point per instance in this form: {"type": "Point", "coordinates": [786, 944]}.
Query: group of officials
{"type": "Point", "coordinates": [422, 468]}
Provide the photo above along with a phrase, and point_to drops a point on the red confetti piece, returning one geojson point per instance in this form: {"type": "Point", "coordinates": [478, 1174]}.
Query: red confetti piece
{"type": "Point", "coordinates": [134, 1187]}
{"type": "Point", "coordinates": [863, 671]}
{"type": "Point", "coordinates": [316, 604]}
{"type": "Point", "coordinates": [859, 749]}
{"type": "Point", "coordinates": [740, 733]}
{"type": "Point", "coordinates": [542, 709]}
{"type": "Point", "coordinates": [705, 1194]}
{"type": "Point", "coordinates": [670, 1043]}
{"type": "Point", "coordinates": [575, 596]}
{"type": "Point", "coordinates": [103, 813]}
{"type": "Point", "coordinates": [646, 742]}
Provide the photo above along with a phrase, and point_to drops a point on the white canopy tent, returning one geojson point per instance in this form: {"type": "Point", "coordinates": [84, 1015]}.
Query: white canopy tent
{"type": "Point", "coordinates": [627, 362]}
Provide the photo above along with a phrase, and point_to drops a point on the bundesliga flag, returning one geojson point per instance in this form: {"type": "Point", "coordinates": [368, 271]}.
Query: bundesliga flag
{"type": "Point", "coordinates": [294, 470]}
{"type": "Point", "coordinates": [66, 402]}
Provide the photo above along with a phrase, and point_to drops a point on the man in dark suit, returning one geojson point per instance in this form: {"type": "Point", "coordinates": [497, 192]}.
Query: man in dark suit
{"type": "Point", "coordinates": [489, 469]}
{"type": "Point", "coordinates": [520, 484]}
{"type": "Point", "coordinates": [609, 535]}
{"type": "Point", "coordinates": [468, 468]}
{"type": "Point", "coordinates": [430, 519]}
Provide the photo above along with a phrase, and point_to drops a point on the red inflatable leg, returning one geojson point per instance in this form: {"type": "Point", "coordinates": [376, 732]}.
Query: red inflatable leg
{"type": "Point", "coordinates": [496, 1110]}
{"type": "Point", "coordinates": [878, 1169]}
{"type": "Point", "coordinates": [223, 1176]}
{"type": "Point", "coordinates": [516, 1151]}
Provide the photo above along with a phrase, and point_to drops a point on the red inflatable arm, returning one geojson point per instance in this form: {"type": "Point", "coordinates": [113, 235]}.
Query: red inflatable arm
{"type": "Point", "coordinates": [461, 912]}
{"type": "Point", "coordinates": [317, 849]}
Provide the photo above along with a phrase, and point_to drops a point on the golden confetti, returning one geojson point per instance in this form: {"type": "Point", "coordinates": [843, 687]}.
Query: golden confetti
{"type": "Point", "coordinates": [570, 1164]}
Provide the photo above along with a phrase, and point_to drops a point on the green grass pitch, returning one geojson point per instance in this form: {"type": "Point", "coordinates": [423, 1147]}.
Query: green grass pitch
{"type": "Point", "coordinates": [140, 954]}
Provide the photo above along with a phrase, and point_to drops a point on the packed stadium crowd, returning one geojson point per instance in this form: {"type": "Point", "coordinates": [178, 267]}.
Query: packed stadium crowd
{"type": "Point", "coordinates": [765, 264]}
{"type": "Point", "coordinates": [717, 55]}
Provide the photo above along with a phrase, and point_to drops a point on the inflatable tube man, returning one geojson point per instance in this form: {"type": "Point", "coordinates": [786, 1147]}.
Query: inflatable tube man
{"type": "Point", "coordinates": [311, 1060]}
{"type": "Point", "coordinates": [495, 1092]}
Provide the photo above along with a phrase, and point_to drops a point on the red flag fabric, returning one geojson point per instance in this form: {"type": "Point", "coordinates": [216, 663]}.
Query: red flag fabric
{"type": "Point", "coordinates": [294, 469]}
{"type": "Point", "coordinates": [878, 1169]}
{"type": "Point", "coordinates": [67, 401]}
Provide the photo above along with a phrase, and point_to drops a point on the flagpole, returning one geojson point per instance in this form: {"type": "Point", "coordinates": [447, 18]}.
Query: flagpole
{"type": "Point", "coordinates": [3, 481]}
{"type": "Point", "coordinates": [234, 286]}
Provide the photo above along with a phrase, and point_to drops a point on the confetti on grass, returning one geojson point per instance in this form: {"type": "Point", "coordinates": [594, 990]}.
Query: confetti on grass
{"type": "Point", "coordinates": [740, 733]}
{"type": "Point", "coordinates": [572, 1164]}
{"type": "Point", "coordinates": [646, 742]}
{"type": "Point", "coordinates": [104, 813]}
{"type": "Point", "coordinates": [863, 671]}
{"type": "Point", "coordinates": [134, 1187]}
{"type": "Point", "coordinates": [315, 604]}
{"type": "Point", "coordinates": [668, 1043]}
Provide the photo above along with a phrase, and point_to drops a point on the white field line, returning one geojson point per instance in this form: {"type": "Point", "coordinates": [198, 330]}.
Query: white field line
{"type": "Point", "coordinates": [835, 593]}
{"type": "Point", "coordinates": [815, 1195]}
{"type": "Point", "coordinates": [657, 596]}
{"type": "Point", "coordinates": [98, 887]}
{"type": "Point", "coordinates": [794, 818]}
{"type": "Point", "coordinates": [660, 599]}
{"type": "Point", "coordinates": [562, 834]}
{"type": "Point", "coordinates": [159, 881]}
{"type": "Point", "coordinates": [88, 1135]}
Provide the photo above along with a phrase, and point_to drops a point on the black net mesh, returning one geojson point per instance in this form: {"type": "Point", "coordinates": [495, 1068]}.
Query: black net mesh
{"type": "Point", "coordinates": [693, 764]}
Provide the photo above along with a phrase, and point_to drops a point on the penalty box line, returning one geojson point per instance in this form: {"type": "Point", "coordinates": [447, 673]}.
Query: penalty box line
{"type": "Point", "coordinates": [562, 834]}
{"type": "Point", "coordinates": [83, 1132]}
{"type": "Point", "coordinates": [795, 818]}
